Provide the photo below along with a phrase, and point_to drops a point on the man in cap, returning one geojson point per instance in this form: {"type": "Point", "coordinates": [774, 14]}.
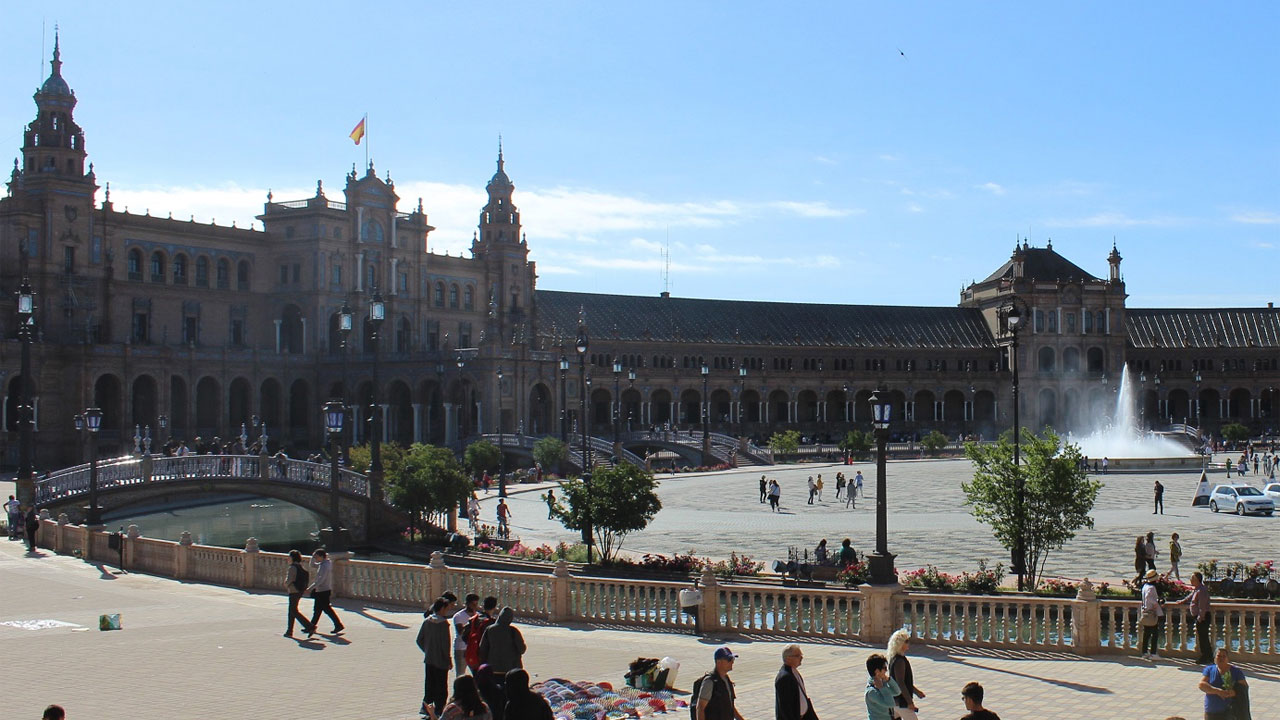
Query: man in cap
{"type": "Point", "coordinates": [715, 697]}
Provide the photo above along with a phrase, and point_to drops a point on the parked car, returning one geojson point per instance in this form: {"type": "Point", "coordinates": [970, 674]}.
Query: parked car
{"type": "Point", "coordinates": [1240, 498]}
{"type": "Point", "coordinates": [1272, 490]}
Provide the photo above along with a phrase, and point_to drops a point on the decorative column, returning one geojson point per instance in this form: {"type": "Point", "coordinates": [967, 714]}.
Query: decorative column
{"type": "Point", "coordinates": [417, 422]}
{"type": "Point", "coordinates": [560, 605]}
{"type": "Point", "coordinates": [277, 322]}
{"type": "Point", "coordinates": [1086, 620]}
{"type": "Point", "coordinates": [450, 424]}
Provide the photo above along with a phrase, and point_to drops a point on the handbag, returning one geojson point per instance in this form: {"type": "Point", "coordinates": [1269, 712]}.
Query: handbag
{"type": "Point", "coordinates": [1149, 618]}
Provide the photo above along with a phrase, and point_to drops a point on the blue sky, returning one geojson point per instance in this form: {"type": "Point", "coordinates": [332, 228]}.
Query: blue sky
{"type": "Point", "coordinates": [823, 152]}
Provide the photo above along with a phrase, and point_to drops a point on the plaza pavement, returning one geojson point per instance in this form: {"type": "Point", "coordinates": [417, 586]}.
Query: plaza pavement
{"type": "Point", "coordinates": [197, 651]}
{"type": "Point", "coordinates": [714, 514]}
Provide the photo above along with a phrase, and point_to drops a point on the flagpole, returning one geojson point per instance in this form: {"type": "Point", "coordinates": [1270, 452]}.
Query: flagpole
{"type": "Point", "coordinates": [366, 142]}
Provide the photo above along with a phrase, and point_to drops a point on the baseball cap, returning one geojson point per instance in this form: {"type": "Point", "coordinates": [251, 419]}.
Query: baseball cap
{"type": "Point", "coordinates": [724, 653]}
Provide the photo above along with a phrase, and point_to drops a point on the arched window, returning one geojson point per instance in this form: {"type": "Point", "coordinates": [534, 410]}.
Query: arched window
{"type": "Point", "coordinates": [439, 294]}
{"type": "Point", "coordinates": [202, 271]}
{"type": "Point", "coordinates": [453, 296]}
{"type": "Point", "coordinates": [157, 267]}
{"type": "Point", "coordinates": [242, 275]}
{"type": "Point", "coordinates": [224, 274]}
{"type": "Point", "coordinates": [371, 232]}
{"type": "Point", "coordinates": [1046, 360]}
{"type": "Point", "coordinates": [1053, 321]}
{"type": "Point", "coordinates": [1039, 321]}
{"type": "Point", "coordinates": [180, 270]}
{"type": "Point", "coordinates": [468, 298]}
{"type": "Point", "coordinates": [135, 264]}
{"type": "Point", "coordinates": [1088, 321]}
{"type": "Point", "coordinates": [1100, 322]}
{"type": "Point", "coordinates": [373, 276]}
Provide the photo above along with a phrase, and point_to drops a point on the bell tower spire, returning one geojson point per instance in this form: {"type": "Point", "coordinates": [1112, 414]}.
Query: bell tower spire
{"type": "Point", "coordinates": [53, 145]}
{"type": "Point", "coordinates": [499, 219]}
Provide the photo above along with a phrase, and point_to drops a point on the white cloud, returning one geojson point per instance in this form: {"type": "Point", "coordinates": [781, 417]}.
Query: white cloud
{"type": "Point", "coordinates": [914, 208]}
{"type": "Point", "coordinates": [1257, 218]}
{"type": "Point", "coordinates": [1116, 219]}
{"type": "Point", "coordinates": [815, 209]}
{"type": "Point", "coordinates": [993, 188]}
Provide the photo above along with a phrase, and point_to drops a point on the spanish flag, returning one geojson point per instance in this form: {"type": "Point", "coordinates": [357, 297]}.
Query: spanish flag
{"type": "Point", "coordinates": [358, 133]}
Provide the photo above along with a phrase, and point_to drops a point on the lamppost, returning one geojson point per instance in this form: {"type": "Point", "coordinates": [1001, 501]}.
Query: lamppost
{"type": "Point", "coordinates": [742, 390]}
{"type": "Point", "coordinates": [92, 421]}
{"type": "Point", "coordinates": [502, 479]}
{"type": "Point", "coordinates": [335, 535]}
{"type": "Point", "coordinates": [1198, 380]}
{"type": "Point", "coordinates": [564, 409]}
{"type": "Point", "coordinates": [26, 335]}
{"type": "Point", "coordinates": [583, 343]}
{"type": "Point", "coordinates": [706, 412]}
{"type": "Point", "coordinates": [1159, 414]}
{"type": "Point", "coordinates": [460, 362]}
{"type": "Point", "coordinates": [162, 436]}
{"type": "Point", "coordinates": [617, 400]}
{"type": "Point", "coordinates": [1013, 319]}
{"type": "Point", "coordinates": [344, 332]}
{"type": "Point", "coordinates": [1142, 402]}
{"type": "Point", "coordinates": [631, 383]}
{"type": "Point", "coordinates": [882, 572]}
{"type": "Point", "coordinates": [377, 313]}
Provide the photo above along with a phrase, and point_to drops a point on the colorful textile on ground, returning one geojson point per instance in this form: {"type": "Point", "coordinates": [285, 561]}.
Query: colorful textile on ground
{"type": "Point", "coordinates": [599, 701]}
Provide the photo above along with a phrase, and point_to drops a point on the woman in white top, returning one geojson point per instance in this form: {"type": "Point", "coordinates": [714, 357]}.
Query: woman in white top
{"type": "Point", "coordinates": [1150, 616]}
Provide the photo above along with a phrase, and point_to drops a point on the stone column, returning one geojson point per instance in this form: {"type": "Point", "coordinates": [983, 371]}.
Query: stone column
{"type": "Point", "coordinates": [1086, 620]}
{"type": "Point", "coordinates": [450, 424]}
{"type": "Point", "coordinates": [709, 613]}
{"type": "Point", "coordinates": [383, 407]}
{"type": "Point", "coordinates": [60, 539]}
{"type": "Point", "coordinates": [340, 585]}
{"type": "Point", "coordinates": [560, 606]}
{"type": "Point", "coordinates": [881, 607]}
{"type": "Point", "coordinates": [435, 576]}
{"type": "Point", "coordinates": [130, 547]}
{"type": "Point", "coordinates": [250, 553]}
{"type": "Point", "coordinates": [277, 322]}
{"type": "Point", "coordinates": [182, 555]}
{"type": "Point", "coordinates": [417, 422]}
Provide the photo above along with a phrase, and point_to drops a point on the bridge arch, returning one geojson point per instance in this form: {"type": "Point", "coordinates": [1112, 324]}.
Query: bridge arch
{"type": "Point", "coordinates": [208, 407]}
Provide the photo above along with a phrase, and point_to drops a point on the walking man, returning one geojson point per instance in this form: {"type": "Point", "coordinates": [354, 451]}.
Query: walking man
{"type": "Point", "coordinates": [1175, 555]}
{"type": "Point", "coordinates": [13, 511]}
{"type": "Point", "coordinates": [296, 580]}
{"type": "Point", "coordinates": [972, 695]}
{"type": "Point", "coordinates": [1159, 506]}
{"type": "Point", "coordinates": [504, 514]}
{"type": "Point", "coordinates": [461, 619]}
{"type": "Point", "coordinates": [433, 641]}
{"type": "Point", "coordinates": [1198, 604]}
{"type": "Point", "coordinates": [716, 696]}
{"type": "Point", "coordinates": [550, 499]}
{"type": "Point", "coordinates": [322, 591]}
{"type": "Point", "coordinates": [764, 490]}
{"type": "Point", "coordinates": [790, 701]}
{"type": "Point", "coordinates": [812, 489]}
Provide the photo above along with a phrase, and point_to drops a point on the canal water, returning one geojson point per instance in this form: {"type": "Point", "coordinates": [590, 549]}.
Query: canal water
{"type": "Point", "coordinates": [228, 522]}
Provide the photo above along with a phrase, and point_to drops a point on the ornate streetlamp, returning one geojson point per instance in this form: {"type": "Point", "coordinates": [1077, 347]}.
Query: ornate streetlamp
{"type": "Point", "coordinates": [1013, 319]}
{"type": "Point", "coordinates": [26, 335]}
{"type": "Point", "coordinates": [631, 383]}
{"type": "Point", "coordinates": [162, 436]}
{"type": "Point", "coordinates": [742, 390]}
{"type": "Point", "coordinates": [335, 535]}
{"type": "Point", "coordinates": [706, 412]}
{"type": "Point", "coordinates": [582, 344]}
{"type": "Point", "coordinates": [617, 401]}
{"type": "Point", "coordinates": [502, 479]}
{"type": "Point", "coordinates": [1142, 402]}
{"type": "Point", "coordinates": [345, 320]}
{"type": "Point", "coordinates": [564, 408]}
{"type": "Point", "coordinates": [1198, 379]}
{"type": "Point", "coordinates": [377, 313]}
{"type": "Point", "coordinates": [882, 572]}
{"type": "Point", "coordinates": [92, 422]}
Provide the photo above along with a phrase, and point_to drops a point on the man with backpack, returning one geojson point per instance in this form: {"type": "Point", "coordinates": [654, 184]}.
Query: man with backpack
{"type": "Point", "coordinates": [713, 694]}
{"type": "Point", "coordinates": [296, 580]}
{"type": "Point", "coordinates": [475, 632]}
{"type": "Point", "coordinates": [461, 619]}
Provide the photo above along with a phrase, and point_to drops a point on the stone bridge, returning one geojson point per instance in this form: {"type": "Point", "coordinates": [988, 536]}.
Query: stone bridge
{"type": "Point", "coordinates": [632, 448]}
{"type": "Point", "coordinates": [150, 480]}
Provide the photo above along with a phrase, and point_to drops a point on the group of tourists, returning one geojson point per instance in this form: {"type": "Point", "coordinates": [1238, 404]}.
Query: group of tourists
{"type": "Point", "coordinates": [847, 489]}
{"type": "Point", "coordinates": [1263, 462]}
{"type": "Point", "coordinates": [23, 522]}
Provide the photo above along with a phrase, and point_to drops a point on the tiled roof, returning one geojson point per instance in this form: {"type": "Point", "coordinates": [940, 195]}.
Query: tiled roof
{"type": "Point", "coordinates": [1208, 328]}
{"type": "Point", "coordinates": [1042, 264]}
{"type": "Point", "coordinates": [659, 319]}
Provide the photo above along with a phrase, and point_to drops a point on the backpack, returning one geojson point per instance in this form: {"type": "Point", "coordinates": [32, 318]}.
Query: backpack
{"type": "Point", "coordinates": [302, 579]}
{"type": "Point", "coordinates": [474, 634]}
{"type": "Point", "coordinates": [697, 688]}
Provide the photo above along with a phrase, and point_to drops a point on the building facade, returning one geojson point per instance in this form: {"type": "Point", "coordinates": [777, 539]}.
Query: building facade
{"type": "Point", "coordinates": [205, 328]}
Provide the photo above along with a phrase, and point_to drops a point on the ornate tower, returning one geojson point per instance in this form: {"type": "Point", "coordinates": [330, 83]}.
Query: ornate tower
{"type": "Point", "coordinates": [1114, 261]}
{"type": "Point", "coordinates": [53, 145]}
{"type": "Point", "coordinates": [509, 275]}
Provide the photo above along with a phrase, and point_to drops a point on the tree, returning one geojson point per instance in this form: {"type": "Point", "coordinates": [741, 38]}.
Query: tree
{"type": "Point", "coordinates": [621, 500]}
{"type": "Point", "coordinates": [482, 456]}
{"type": "Point", "coordinates": [784, 443]}
{"type": "Point", "coordinates": [1235, 432]}
{"type": "Point", "coordinates": [549, 452]}
{"type": "Point", "coordinates": [934, 442]}
{"type": "Point", "coordinates": [857, 443]}
{"type": "Point", "coordinates": [362, 455]}
{"type": "Point", "coordinates": [427, 479]}
{"type": "Point", "coordinates": [1058, 494]}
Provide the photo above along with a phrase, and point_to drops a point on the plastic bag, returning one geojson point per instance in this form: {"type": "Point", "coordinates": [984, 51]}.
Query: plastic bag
{"type": "Point", "coordinates": [672, 666]}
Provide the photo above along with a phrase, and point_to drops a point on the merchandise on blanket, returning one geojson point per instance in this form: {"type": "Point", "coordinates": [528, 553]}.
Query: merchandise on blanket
{"type": "Point", "coordinates": [600, 701]}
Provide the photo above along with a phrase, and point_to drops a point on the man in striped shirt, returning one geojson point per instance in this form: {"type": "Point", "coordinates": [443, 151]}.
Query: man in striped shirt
{"type": "Point", "coordinates": [1198, 601]}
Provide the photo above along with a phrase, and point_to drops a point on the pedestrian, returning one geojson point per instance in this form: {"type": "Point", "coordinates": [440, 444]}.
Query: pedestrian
{"type": "Point", "coordinates": [1149, 551]}
{"type": "Point", "coordinates": [1197, 602]}
{"type": "Point", "coordinates": [523, 703]}
{"type": "Point", "coordinates": [790, 701]}
{"type": "Point", "coordinates": [716, 698]}
{"type": "Point", "coordinates": [296, 579]}
{"type": "Point", "coordinates": [775, 495]}
{"type": "Point", "coordinates": [1228, 464]}
{"type": "Point", "coordinates": [1159, 506]}
{"type": "Point", "coordinates": [502, 646]}
{"type": "Point", "coordinates": [900, 671]}
{"type": "Point", "coordinates": [1175, 556]}
{"type": "Point", "coordinates": [494, 696]}
{"type": "Point", "coordinates": [764, 490]}
{"type": "Point", "coordinates": [54, 712]}
{"type": "Point", "coordinates": [1226, 692]}
{"type": "Point", "coordinates": [972, 696]}
{"type": "Point", "coordinates": [32, 526]}
{"type": "Point", "coordinates": [848, 555]}
{"type": "Point", "coordinates": [470, 608]}
{"type": "Point", "coordinates": [1139, 558]}
{"type": "Point", "coordinates": [813, 489]}
{"type": "Point", "coordinates": [322, 591]}
{"type": "Point", "coordinates": [857, 483]}
{"type": "Point", "coordinates": [820, 552]}
{"type": "Point", "coordinates": [839, 485]}
{"type": "Point", "coordinates": [504, 514]}
{"type": "Point", "coordinates": [1150, 613]}
{"type": "Point", "coordinates": [475, 632]}
{"type": "Point", "coordinates": [13, 514]}
{"type": "Point", "coordinates": [550, 499]}
{"type": "Point", "coordinates": [1105, 462]}
{"type": "Point", "coordinates": [473, 512]}
{"type": "Point", "coordinates": [433, 641]}
{"type": "Point", "coordinates": [881, 690]}
{"type": "Point", "coordinates": [466, 701]}
{"type": "Point", "coordinates": [818, 484]}
{"type": "Point", "coordinates": [282, 463]}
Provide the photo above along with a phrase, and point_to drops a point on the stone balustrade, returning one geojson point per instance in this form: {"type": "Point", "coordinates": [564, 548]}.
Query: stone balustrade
{"type": "Point", "coordinates": [1084, 625]}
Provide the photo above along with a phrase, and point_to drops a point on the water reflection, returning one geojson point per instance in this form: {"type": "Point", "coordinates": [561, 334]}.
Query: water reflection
{"type": "Point", "coordinates": [228, 522]}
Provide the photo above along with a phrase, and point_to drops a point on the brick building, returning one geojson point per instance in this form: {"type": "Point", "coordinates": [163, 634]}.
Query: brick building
{"type": "Point", "coordinates": [211, 326]}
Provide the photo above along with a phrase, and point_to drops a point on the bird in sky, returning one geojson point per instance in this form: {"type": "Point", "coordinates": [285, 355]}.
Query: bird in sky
{"type": "Point", "coordinates": [901, 53]}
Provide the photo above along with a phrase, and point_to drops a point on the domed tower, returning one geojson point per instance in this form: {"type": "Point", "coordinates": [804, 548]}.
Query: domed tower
{"type": "Point", "coordinates": [509, 275]}
{"type": "Point", "coordinates": [53, 145]}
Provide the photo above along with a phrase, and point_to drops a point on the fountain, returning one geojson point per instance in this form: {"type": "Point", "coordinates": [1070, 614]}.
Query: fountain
{"type": "Point", "coordinates": [1127, 446]}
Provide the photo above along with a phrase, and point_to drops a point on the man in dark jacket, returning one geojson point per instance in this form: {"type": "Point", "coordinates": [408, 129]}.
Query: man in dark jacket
{"type": "Point", "coordinates": [502, 645]}
{"type": "Point", "coordinates": [790, 700]}
{"type": "Point", "coordinates": [434, 641]}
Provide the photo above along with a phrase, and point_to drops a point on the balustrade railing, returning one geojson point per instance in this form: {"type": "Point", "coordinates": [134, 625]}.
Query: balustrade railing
{"type": "Point", "coordinates": [218, 565]}
{"type": "Point", "coordinates": [791, 611]}
{"type": "Point", "coordinates": [1247, 629]}
{"type": "Point", "coordinates": [990, 621]}
{"type": "Point", "coordinates": [627, 602]}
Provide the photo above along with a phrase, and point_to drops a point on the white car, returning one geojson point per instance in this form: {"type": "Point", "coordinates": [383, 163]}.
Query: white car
{"type": "Point", "coordinates": [1240, 498]}
{"type": "Point", "coordinates": [1272, 490]}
